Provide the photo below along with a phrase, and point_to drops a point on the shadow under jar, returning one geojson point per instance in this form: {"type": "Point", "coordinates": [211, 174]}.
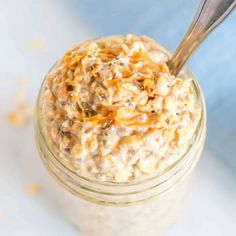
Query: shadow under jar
{"type": "Point", "coordinates": [147, 207]}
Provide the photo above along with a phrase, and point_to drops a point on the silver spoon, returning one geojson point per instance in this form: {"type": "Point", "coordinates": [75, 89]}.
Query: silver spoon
{"type": "Point", "coordinates": [209, 15]}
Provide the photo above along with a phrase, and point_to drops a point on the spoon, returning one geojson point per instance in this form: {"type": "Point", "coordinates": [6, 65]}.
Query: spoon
{"type": "Point", "coordinates": [209, 15]}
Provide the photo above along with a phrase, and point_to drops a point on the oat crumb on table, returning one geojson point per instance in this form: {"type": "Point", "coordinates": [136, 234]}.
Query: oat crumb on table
{"type": "Point", "coordinates": [21, 112]}
{"type": "Point", "coordinates": [33, 189]}
{"type": "Point", "coordinates": [35, 44]}
{"type": "Point", "coordinates": [21, 115]}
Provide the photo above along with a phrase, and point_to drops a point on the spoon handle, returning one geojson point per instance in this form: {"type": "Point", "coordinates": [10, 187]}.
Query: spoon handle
{"type": "Point", "coordinates": [209, 15]}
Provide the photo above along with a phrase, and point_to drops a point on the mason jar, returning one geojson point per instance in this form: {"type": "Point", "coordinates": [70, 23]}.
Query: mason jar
{"type": "Point", "coordinates": [144, 208]}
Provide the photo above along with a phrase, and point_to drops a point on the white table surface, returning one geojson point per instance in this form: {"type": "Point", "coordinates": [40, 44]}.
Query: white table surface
{"type": "Point", "coordinates": [211, 208]}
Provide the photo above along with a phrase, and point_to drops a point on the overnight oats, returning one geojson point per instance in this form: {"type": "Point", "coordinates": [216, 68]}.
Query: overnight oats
{"type": "Point", "coordinates": [121, 133]}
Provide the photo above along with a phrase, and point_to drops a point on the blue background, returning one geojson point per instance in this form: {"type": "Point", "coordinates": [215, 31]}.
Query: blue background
{"type": "Point", "coordinates": [214, 63]}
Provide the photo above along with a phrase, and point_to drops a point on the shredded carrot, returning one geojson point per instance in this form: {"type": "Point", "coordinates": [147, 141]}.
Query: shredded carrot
{"type": "Point", "coordinates": [130, 139]}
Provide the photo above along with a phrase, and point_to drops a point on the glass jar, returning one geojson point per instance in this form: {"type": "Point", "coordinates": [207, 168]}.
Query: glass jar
{"type": "Point", "coordinates": [147, 207]}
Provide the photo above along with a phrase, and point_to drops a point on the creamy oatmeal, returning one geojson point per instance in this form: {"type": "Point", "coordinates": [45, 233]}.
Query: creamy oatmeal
{"type": "Point", "coordinates": [113, 112]}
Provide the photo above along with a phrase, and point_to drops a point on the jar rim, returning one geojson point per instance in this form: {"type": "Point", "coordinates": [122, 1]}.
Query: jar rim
{"type": "Point", "coordinates": [160, 175]}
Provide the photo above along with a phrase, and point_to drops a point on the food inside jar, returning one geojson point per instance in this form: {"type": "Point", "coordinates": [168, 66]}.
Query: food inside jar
{"type": "Point", "coordinates": [113, 112]}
